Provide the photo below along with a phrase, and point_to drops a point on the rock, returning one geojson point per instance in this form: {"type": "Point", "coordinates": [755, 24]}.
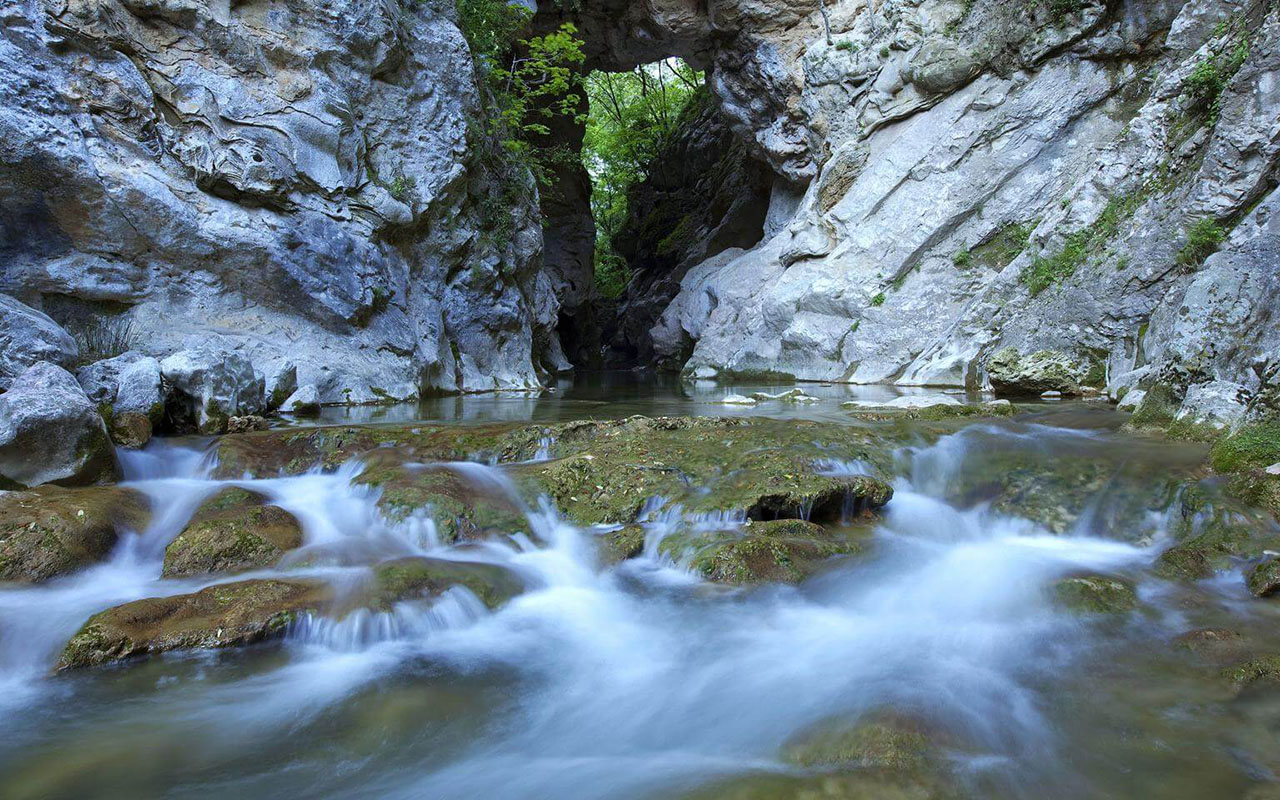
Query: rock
{"type": "Point", "coordinates": [1043, 371]}
{"type": "Point", "coordinates": [1262, 669]}
{"type": "Point", "coordinates": [786, 551]}
{"type": "Point", "coordinates": [885, 743]}
{"type": "Point", "coordinates": [905, 402]}
{"type": "Point", "coordinates": [462, 510]}
{"type": "Point", "coordinates": [139, 403]}
{"type": "Point", "coordinates": [1274, 469]}
{"type": "Point", "coordinates": [209, 385]}
{"type": "Point", "coordinates": [51, 433]}
{"type": "Point", "coordinates": [1052, 395]}
{"type": "Point", "coordinates": [737, 400]}
{"type": "Point", "coordinates": [417, 576]}
{"type": "Point", "coordinates": [224, 615]}
{"type": "Point", "coordinates": [622, 544]}
{"type": "Point", "coordinates": [101, 379]}
{"type": "Point", "coordinates": [305, 402]}
{"type": "Point", "coordinates": [28, 337]}
{"type": "Point", "coordinates": [232, 531]}
{"type": "Point", "coordinates": [1095, 594]}
{"type": "Point", "coordinates": [796, 395]}
{"type": "Point", "coordinates": [246, 424]}
{"type": "Point", "coordinates": [281, 383]}
{"type": "Point", "coordinates": [50, 531]}
{"type": "Point", "coordinates": [1214, 644]}
{"type": "Point", "coordinates": [1264, 579]}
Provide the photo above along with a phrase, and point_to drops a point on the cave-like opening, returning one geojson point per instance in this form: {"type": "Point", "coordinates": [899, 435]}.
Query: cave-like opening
{"type": "Point", "coordinates": [661, 184]}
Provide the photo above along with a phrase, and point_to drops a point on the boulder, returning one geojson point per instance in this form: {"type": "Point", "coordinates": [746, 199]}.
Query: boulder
{"type": "Point", "coordinates": [784, 551]}
{"type": "Point", "coordinates": [232, 531]}
{"type": "Point", "coordinates": [101, 379]}
{"type": "Point", "coordinates": [51, 531]}
{"type": "Point", "coordinates": [50, 432]}
{"type": "Point", "coordinates": [224, 615]}
{"type": "Point", "coordinates": [1016, 375]}
{"type": "Point", "coordinates": [208, 385]}
{"type": "Point", "coordinates": [305, 402]}
{"type": "Point", "coordinates": [280, 385]}
{"type": "Point", "coordinates": [418, 576]}
{"type": "Point", "coordinates": [27, 337]}
{"type": "Point", "coordinates": [139, 403]}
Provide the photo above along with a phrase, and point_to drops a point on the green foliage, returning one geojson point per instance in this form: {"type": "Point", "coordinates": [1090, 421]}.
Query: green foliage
{"type": "Point", "coordinates": [103, 336]}
{"type": "Point", "coordinates": [529, 82]}
{"type": "Point", "coordinates": [401, 187]}
{"type": "Point", "coordinates": [1203, 238]}
{"type": "Point", "coordinates": [878, 300]}
{"type": "Point", "coordinates": [1046, 271]}
{"type": "Point", "coordinates": [963, 258]}
{"type": "Point", "coordinates": [634, 116]}
{"type": "Point", "coordinates": [1210, 77]}
{"type": "Point", "coordinates": [847, 46]}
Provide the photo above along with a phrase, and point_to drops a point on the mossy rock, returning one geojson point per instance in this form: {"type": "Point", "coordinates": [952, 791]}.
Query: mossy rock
{"type": "Point", "coordinates": [617, 546]}
{"type": "Point", "coordinates": [1258, 489]}
{"type": "Point", "coordinates": [418, 576]}
{"type": "Point", "coordinates": [604, 472]}
{"type": "Point", "coordinates": [1015, 375]}
{"type": "Point", "coordinates": [1211, 541]}
{"type": "Point", "coordinates": [51, 531]}
{"type": "Point", "coordinates": [1262, 669]}
{"type": "Point", "coordinates": [1264, 579]}
{"type": "Point", "coordinates": [461, 509]}
{"type": "Point", "coordinates": [232, 531]}
{"type": "Point", "coordinates": [1053, 493]}
{"type": "Point", "coordinates": [225, 615]}
{"type": "Point", "coordinates": [1253, 447]}
{"type": "Point", "coordinates": [888, 743]}
{"type": "Point", "coordinates": [129, 428]}
{"type": "Point", "coordinates": [784, 551]}
{"type": "Point", "coordinates": [1213, 644]}
{"type": "Point", "coordinates": [1095, 594]}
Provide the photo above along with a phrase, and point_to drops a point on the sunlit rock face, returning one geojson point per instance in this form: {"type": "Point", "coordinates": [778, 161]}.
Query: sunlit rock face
{"type": "Point", "coordinates": [980, 176]}
{"type": "Point", "coordinates": [298, 177]}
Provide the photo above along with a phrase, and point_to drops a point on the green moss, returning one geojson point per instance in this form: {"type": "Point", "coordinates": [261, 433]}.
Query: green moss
{"type": "Point", "coordinates": [785, 551]}
{"type": "Point", "coordinates": [871, 745]}
{"type": "Point", "coordinates": [232, 531]}
{"type": "Point", "coordinates": [878, 300]}
{"type": "Point", "coordinates": [1264, 579]}
{"type": "Point", "coordinates": [1251, 447]}
{"type": "Point", "coordinates": [1045, 271]}
{"type": "Point", "coordinates": [1262, 669]}
{"type": "Point", "coordinates": [407, 578]}
{"type": "Point", "coordinates": [1007, 244]}
{"type": "Point", "coordinates": [1095, 594]}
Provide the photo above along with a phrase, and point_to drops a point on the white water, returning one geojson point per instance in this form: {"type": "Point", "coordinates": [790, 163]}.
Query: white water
{"type": "Point", "coordinates": [635, 681]}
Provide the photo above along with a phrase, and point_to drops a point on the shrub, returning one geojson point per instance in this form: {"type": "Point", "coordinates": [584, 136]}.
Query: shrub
{"type": "Point", "coordinates": [1046, 271]}
{"type": "Point", "coordinates": [878, 300]}
{"type": "Point", "coordinates": [102, 337]}
{"type": "Point", "coordinates": [1203, 238]}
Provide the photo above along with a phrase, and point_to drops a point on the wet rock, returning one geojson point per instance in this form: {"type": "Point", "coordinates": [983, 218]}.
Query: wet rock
{"type": "Point", "coordinates": [785, 551]}
{"type": "Point", "coordinates": [462, 509]}
{"type": "Point", "coordinates": [305, 402]}
{"type": "Point", "coordinates": [885, 743]}
{"type": "Point", "coordinates": [1214, 644]}
{"type": "Point", "coordinates": [1095, 594]}
{"type": "Point", "coordinates": [208, 385]}
{"type": "Point", "coordinates": [1211, 540]}
{"type": "Point", "coordinates": [417, 576]}
{"type": "Point", "coordinates": [1264, 579]}
{"type": "Point", "coordinates": [796, 395]}
{"type": "Point", "coordinates": [906, 402]}
{"type": "Point", "coordinates": [225, 615]}
{"type": "Point", "coordinates": [232, 531]}
{"type": "Point", "coordinates": [1014, 375]}
{"type": "Point", "coordinates": [246, 424]}
{"type": "Point", "coordinates": [617, 546]}
{"type": "Point", "coordinates": [737, 400]}
{"type": "Point", "coordinates": [51, 531]}
{"type": "Point", "coordinates": [28, 337]}
{"type": "Point", "coordinates": [1262, 669]}
{"type": "Point", "coordinates": [281, 384]}
{"type": "Point", "coordinates": [50, 432]}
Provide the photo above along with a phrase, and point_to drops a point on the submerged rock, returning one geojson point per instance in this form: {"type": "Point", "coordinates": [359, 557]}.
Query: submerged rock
{"type": "Point", "coordinates": [461, 509]}
{"type": "Point", "coordinates": [232, 531]}
{"type": "Point", "coordinates": [225, 615]}
{"type": "Point", "coordinates": [1095, 594]}
{"type": "Point", "coordinates": [418, 576]}
{"type": "Point", "coordinates": [1262, 669]}
{"type": "Point", "coordinates": [51, 433]}
{"type": "Point", "coordinates": [51, 531]}
{"type": "Point", "coordinates": [1264, 579]}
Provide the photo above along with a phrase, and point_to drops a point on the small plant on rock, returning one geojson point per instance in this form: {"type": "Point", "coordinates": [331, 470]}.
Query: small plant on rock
{"type": "Point", "coordinates": [1203, 238]}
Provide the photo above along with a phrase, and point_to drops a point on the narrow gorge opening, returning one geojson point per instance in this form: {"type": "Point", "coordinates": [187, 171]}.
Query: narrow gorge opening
{"type": "Point", "coordinates": [661, 184]}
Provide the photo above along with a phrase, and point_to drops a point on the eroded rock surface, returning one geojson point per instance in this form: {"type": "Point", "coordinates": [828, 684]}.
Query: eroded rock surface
{"type": "Point", "coordinates": [50, 432]}
{"type": "Point", "coordinates": [51, 531]}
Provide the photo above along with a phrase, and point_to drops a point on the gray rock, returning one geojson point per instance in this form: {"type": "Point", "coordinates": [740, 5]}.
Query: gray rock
{"type": "Point", "coordinates": [141, 389]}
{"type": "Point", "coordinates": [1040, 373]}
{"type": "Point", "coordinates": [304, 403]}
{"type": "Point", "coordinates": [27, 337]}
{"type": "Point", "coordinates": [50, 432]}
{"type": "Point", "coordinates": [282, 382]}
{"type": "Point", "coordinates": [101, 379]}
{"type": "Point", "coordinates": [209, 385]}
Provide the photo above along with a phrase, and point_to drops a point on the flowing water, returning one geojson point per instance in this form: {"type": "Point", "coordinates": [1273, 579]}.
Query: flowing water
{"type": "Point", "coordinates": [642, 680]}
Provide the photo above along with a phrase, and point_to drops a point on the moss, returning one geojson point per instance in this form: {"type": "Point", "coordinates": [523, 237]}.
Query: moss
{"type": "Point", "coordinates": [1261, 669]}
{"type": "Point", "coordinates": [412, 577]}
{"type": "Point", "coordinates": [878, 300]}
{"type": "Point", "coordinates": [51, 531]}
{"type": "Point", "coordinates": [1045, 271]}
{"type": "Point", "coordinates": [1157, 409]}
{"type": "Point", "coordinates": [1006, 245]}
{"type": "Point", "coordinates": [232, 531]}
{"type": "Point", "coordinates": [1264, 579]}
{"type": "Point", "coordinates": [1251, 447]}
{"type": "Point", "coordinates": [875, 744]}
{"type": "Point", "coordinates": [1095, 594]}
{"type": "Point", "coordinates": [624, 543]}
{"type": "Point", "coordinates": [785, 551]}
{"type": "Point", "coordinates": [1213, 538]}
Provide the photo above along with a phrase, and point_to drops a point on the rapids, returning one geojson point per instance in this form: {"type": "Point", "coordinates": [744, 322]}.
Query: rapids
{"type": "Point", "coordinates": [641, 680]}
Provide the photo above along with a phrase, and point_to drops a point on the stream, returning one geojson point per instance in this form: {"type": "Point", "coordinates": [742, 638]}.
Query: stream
{"type": "Point", "coordinates": [642, 680]}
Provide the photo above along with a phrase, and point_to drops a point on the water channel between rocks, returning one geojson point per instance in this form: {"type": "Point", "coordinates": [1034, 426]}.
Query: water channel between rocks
{"type": "Point", "coordinates": [936, 658]}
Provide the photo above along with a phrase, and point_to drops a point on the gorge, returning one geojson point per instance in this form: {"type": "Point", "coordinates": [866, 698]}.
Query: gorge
{"type": "Point", "coordinates": [640, 398]}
